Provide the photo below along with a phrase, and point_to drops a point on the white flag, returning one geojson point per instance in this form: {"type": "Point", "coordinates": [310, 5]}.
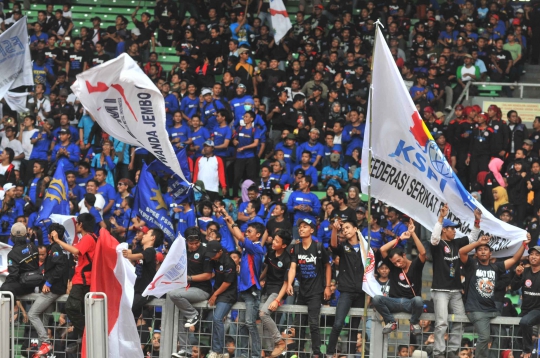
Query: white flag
{"type": "Point", "coordinates": [408, 171]}
{"type": "Point", "coordinates": [69, 222]}
{"type": "Point", "coordinates": [16, 101]}
{"type": "Point", "coordinates": [15, 61]}
{"type": "Point", "coordinates": [370, 284]}
{"type": "Point", "coordinates": [4, 251]}
{"type": "Point", "coordinates": [173, 271]}
{"type": "Point", "coordinates": [280, 19]}
{"type": "Point", "coordinates": [128, 106]}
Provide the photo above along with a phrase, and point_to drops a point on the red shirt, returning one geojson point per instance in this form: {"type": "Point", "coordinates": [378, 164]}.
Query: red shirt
{"type": "Point", "coordinates": [86, 247]}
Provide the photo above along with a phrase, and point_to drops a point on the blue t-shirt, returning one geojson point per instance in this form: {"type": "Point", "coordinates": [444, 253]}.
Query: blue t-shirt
{"type": "Point", "coordinates": [376, 237]}
{"type": "Point", "coordinates": [181, 132]}
{"type": "Point", "coordinates": [108, 193]}
{"type": "Point", "coordinates": [171, 105]}
{"type": "Point", "coordinates": [74, 156]}
{"type": "Point", "coordinates": [199, 137]}
{"type": "Point", "coordinates": [86, 123]}
{"type": "Point", "coordinates": [40, 76]}
{"type": "Point", "coordinates": [74, 134]}
{"type": "Point", "coordinates": [41, 147]}
{"type": "Point", "coordinates": [247, 136]}
{"type": "Point", "coordinates": [315, 150]}
{"type": "Point", "coordinates": [220, 135]}
{"type": "Point", "coordinates": [189, 106]}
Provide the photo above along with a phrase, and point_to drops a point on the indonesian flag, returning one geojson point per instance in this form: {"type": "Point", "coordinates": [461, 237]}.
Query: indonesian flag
{"type": "Point", "coordinates": [173, 271]}
{"type": "Point", "coordinates": [280, 19]}
{"type": "Point", "coordinates": [115, 276]}
{"type": "Point", "coordinates": [370, 285]}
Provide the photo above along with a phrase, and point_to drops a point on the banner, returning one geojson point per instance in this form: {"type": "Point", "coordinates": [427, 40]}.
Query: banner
{"type": "Point", "coordinates": [280, 19]}
{"type": "Point", "coordinates": [180, 189]}
{"type": "Point", "coordinates": [69, 222]}
{"type": "Point", "coordinates": [4, 251]}
{"type": "Point", "coordinates": [15, 61]}
{"type": "Point", "coordinates": [173, 271]}
{"type": "Point", "coordinates": [150, 206]}
{"type": "Point", "coordinates": [370, 285]}
{"type": "Point", "coordinates": [128, 106]}
{"type": "Point", "coordinates": [408, 171]}
{"type": "Point", "coordinates": [56, 197]}
{"type": "Point", "coordinates": [16, 101]}
{"type": "Point", "coordinates": [115, 276]}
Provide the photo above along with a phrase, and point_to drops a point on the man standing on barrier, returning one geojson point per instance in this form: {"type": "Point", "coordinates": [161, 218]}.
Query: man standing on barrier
{"type": "Point", "coordinates": [55, 275]}
{"type": "Point", "coordinates": [199, 289]}
{"type": "Point", "coordinates": [405, 283]}
{"type": "Point", "coordinates": [446, 286]}
{"type": "Point", "coordinates": [528, 279]}
{"type": "Point", "coordinates": [481, 279]}
{"type": "Point", "coordinates": [351, 268]}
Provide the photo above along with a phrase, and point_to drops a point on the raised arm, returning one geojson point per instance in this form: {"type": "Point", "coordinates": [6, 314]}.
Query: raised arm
{"type": "Point", "coordinates": [419, 246]}
{"type": "Point", "coordinates": [437, 230]}
{"type": "Point", "coordinates": [517, 256]}
{"type": "Point", "coordinates": [390, 245]}
{"type": "Point", "coordinates": [464, 251]}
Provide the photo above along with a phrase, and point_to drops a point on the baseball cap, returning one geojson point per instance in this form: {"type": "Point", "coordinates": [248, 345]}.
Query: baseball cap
{"type": "Point", "coordinates": [18, 229]}
{"type": "Point", "coordinates": [290, 136]}
{"type": "Point", "coordinates": [428, 109]}
{"type": "Point", "coordinates": [438, 135]}
{"type": "Point", "coordinates": [299, 171]}
{"type": "Point", "coordinates": [206, 91]}
{"type": "Point", "coordinates": [50, 121]}
{"type": "Point", "coordinates": [516, 22]}
{"type": "Point", "coordinates": [528, 142]}
{"type": "Point", "coordinates": [209, 143]}
{"type": "Point", "coordinates": [316, 88]}
{"type": "Point", "coordinates": [135, 31]}
{"type": "Point", "coordinates": [306, 221]}
{"type": "Point", "coordinates": [439, 114]}
{"type": "Point", "coordinates": [242, 50]}
{"type": "Point", "coordinates": [64, 131]}
{"type": "Point", "coordinates": [144, 229]}
{"type": "Point", "coordinates": [63, 92]}
{"type": "Point", "coordinates": [521, 11]}
{"type": "Point", "coordinates": [212, 248]}
{"type": "Point", "coordinates": [468, 56]}
{"type": "Point", "coordinates": [534, 248]}
{"type": "Point", "coordinates": [447, 223]}
{"type": "Point", "coordinates": [8, 186]}
{"type": "Point", "coordinates": [432, 19]}
{"type": "Point", "coordinates": [495, 16]}
{"type": "Point", "coordinates": [460, 107]}
{"type": "Point", "coordinates": [320, 7]}
{"type": "Point", "coordinates": [241, 85]}
{"type": "Point", "coordinates": [334, 157]}
{"type": "Point", "coordinates": [361, 209]}
{"type": "Point", "coordinates": [506, 209]}
{"type": "Point", "coordinates": [315, 130]}
{"type": "Point", "coordinates": [320, 28]}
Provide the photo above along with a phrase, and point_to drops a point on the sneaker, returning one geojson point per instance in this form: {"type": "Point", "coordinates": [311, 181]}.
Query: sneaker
{"type": "Point", "coordinates": [181, 353]}
{"type": "Point", "coordinates": [72, 348]}
{"type": "Point", "coordinates": [192, 321]}
{"type": "Point", "coordinates": [213, 355]}
{"type": "Point", "coordinates": [416, 329]}
{"type": "Point", "coordinates": [279, 348]}
{"type": "Point", "coordinates": [224, 355]}
{"type": "Point", "coordinates": [44, 349]}
{"type": "Point", "coordinates": [390, 327]}
{"type": "Point", "coordinates": [448, 108]}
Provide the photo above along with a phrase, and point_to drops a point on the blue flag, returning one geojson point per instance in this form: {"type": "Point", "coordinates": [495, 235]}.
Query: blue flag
{"type": "Point", "coordinates": [150, 205]}
{"type": "Point", "coordinates": [158, 166]}
{"type": "Point", "coordinates": [56, 196]}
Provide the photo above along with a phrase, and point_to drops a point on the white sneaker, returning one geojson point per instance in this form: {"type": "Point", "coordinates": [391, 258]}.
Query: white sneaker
{"type": "Point", "coordinates": [213, 355]}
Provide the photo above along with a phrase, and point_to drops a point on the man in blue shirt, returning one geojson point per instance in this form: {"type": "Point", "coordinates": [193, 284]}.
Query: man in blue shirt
{"type": "Point", "coordinates": [395, 227]}
{"type": "Point", "coordinates": [252, 208]}
{"type": "Point", "coordinates": [353, 133]}
{"type": "Point", "coordinates": [288, 147]}
{"type": "Point", "coordinates": [246, 143]}
{"type": "Point", "coordinates": [249, 286]}
{"type": "Point", "coordinates": [106, 190]}
{"type": "Point", "coordinates": [171, 103]}
{"type": "Point", "coordinates": [313, 146]}
{"type": "Point", "coordinates": [305, 165]}
{"type": "Point", "coordinates": [222, 135]}
{"type": "Point", "coordinates": [240, 104]}
{"type": "Point", "coordinates": [66, 152]}
{"type": "Point", "coordinates": [190, 103]}
{"type": "Point", "coordinates": [303, 203]}
{"type": "Point", "coordinates": [334, 174]}
{"type": "Point", "coordinates": [210, 108]}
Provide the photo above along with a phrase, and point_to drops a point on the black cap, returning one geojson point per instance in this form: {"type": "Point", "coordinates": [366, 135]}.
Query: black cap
{"type": "Point", "coordinates": [306, 221]}
{"type": "Point", "coordinates": [64, 131]}
{"type": "Point", "coordinates": [316, 88]}
{"type": "Point", "coordinates": [300, 171]}
{"type": "Point", "coordinates": [212, 248]}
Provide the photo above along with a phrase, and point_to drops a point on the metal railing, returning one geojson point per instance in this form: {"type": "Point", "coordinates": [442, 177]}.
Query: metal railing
{"type": "Point", "coordinates": [504, 84]}
{"type": "Point", "coordinates": [160, 335]}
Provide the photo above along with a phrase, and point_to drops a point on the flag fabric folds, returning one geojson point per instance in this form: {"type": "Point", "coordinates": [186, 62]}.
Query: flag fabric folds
{"type": "Point", "coordinates": [280, 19]}
{"type": "Point", "coordinates": [115, 276]}
{"type": "Point", "coordinates": [128, 106]}
{"type": "Point", "coordinates": [181, 190]}
{"type": "Point", "coordinates": [370, 285]}
{"type": "Point", "coordinates": [15, 61]}
{"type": "Point", "coordinates": [173, 271]}
{"type": "Point", "coordinates": [56, 196]}
{"type": "Point", "coordinates": [150, 205]}
{"type": "Point", "coordinates": [408, 170]}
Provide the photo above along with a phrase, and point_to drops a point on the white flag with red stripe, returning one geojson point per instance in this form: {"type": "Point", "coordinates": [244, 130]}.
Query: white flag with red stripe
{"type": "Point", "coordinates": [370, 284]}
{"type": "Point", "coordinates": [280, 19]}
{"type": "Point", "coordinates": [115, 276]}
{"type": "Point", "coordinates": [173, 271]}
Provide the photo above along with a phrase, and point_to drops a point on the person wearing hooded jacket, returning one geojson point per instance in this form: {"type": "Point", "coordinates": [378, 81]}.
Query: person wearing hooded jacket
{"type": "Point", "coordinates": [22, 258]}
{"type": "Point", "coordinates": [518, 133]}
{"type": "Point", "coordinates": [501, 132]}
{"type": "Point", "coordinates": [55, 276]}
{"type": "Point", "coordinates": [517, 189]}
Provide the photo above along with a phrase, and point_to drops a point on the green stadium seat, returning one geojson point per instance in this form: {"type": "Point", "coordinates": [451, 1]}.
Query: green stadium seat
{"type": "Point", "coordinates": [489, 90]}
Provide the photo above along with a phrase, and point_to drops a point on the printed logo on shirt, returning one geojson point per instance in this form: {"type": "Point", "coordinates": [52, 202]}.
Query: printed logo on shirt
{"type": "Point", "coordinates": [221, 268]}
{"type": "Point", "coordinates": [447, 249]}
{"type": "Point", "coordinates": [401, 276]}
{"type": "Point", "coordinates": [280, 264]}
{"type": "Point", "coordinates": [528, 283]}
{"type": "Point", "coordinates": [56, 254]}
{"type": "Point", "coordinates": [196, 256]}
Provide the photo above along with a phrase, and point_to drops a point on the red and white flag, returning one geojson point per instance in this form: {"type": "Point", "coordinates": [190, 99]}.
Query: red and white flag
{"type": "Point", "coordinates": [115, 276]}
{"type": "Point", "coordinates": [280, 19]}
{"type": "Point", "coordinates": [173, 271]}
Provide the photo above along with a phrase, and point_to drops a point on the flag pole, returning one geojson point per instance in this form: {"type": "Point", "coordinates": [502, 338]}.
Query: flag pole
{"type": "Point", "coordinates": [366, 302]}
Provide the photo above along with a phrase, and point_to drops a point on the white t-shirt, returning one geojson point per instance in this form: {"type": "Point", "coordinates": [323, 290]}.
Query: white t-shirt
{"type": "Point", "coordinates": [3, 169]}
{"type": "Point", "coordinates": [26, 144]}
{"type": "Point", "coordinates": [99, 205]}
{"type": "Point", "coordinates": [17, 148]}
{"type": "Point", "coordinates": [45, 105]}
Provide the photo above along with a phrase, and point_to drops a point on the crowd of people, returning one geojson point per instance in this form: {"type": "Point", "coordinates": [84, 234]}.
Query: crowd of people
{"type": "Point", "coordinates": [274, 133]}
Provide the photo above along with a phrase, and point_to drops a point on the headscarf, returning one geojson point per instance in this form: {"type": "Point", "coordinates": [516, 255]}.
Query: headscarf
{"type": "Point", "coordinates": [495, 166]}
{"type": "Point", "coordinates": [354, 203]}
{"type": "Point", "coordinates": [503, 197]}
{"type": "Point", "coordinates": [245, 185]}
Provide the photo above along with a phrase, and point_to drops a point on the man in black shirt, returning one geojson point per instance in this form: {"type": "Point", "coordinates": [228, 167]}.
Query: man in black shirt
{"type": "Point", "coordinates": [314, 275]}
{"type": "Point", "coordinates": [225, 293]}
{"type": "Point", "coordinates": [343, 212]}
{"type": "Point", "coordinates": [351, 268]}
{"type": "Point", "coordinates": [277, 267]}
{"type": "Point", "coordinates": [145, 266]}
{"type": "Point", "coordinates": [278, 220]}
{"type": "Point", "coordinates": [100, 56]}
{"type": "Point", "coordinates": [405, 283]}
{"type": "Point", "coordinates": [528, 279]}
{"type": "Point", "coordinates": [446, 286]}
{"type": "Point", "coordinates": [481, 279]}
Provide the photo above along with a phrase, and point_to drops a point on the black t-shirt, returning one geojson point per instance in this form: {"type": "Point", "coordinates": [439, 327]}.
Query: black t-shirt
{"type": "Point", "coordinates": [76, 62]}
{"type": "Point", "coordinates": [399, 283]}
{"type": "Point", "coordinates": [145, 269]}
{"type": "Point", "coordinates": [480, 287]}
{"type": "Point", "coordinates": [272, 226]}
{"type": "Point", "coordinates": [529, 282]}
{"type": "Point", "coordinates": [347, 214]}
{"type": "Point", "coordinates": [351, 267]}
{"type": "Point", "coordinates": [278, 269]}
{"type": "Point", "coordinates": [444, 254]}
{"type": "Point", "coordinates": [225, 270]}
{"type": "Point", "coordinates": [310, 269]}
{"type": "Point", "coordinates": [96, 60]}
{"type": "Point", "coordinates": [51, 55]}
{"type": "Point", "coordinates": [271, 78]}
{"type": "Point", "coordinates": [198, 264]}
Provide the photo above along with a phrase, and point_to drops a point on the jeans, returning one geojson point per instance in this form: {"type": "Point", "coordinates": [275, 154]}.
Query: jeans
{"type": "Point", "coordinates": [268, 323]}
{"type": "Point", "coordinates": [183, 298]}
{"type": "Point", "coordinates": [40, 305]}
{"type": "Point", "coordinates": [445, 302]}
{"type": "Point", "coordinates": [313, 304]}
{"type": "Point", "coordinates": [345, 302]}
{"type": "Point", "coordinates": [481, 321]}
{"type": "Point", "coordinates": [218, 331]}
{"type": "Point", "coordinates": [252, 298]}
{"type": "Point", "coordinates": [388, 305]}
{"type": "Point", "coordinates": [528, 321]}
{"type": "Point", "coordinates": [266, 18]}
